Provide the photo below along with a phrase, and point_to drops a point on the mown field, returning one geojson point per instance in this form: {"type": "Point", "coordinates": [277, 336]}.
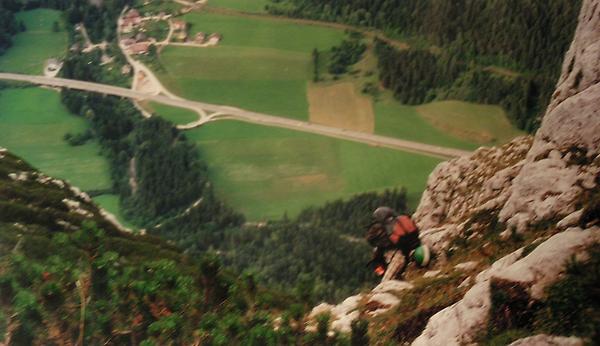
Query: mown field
{"type": "Point", "coordinates": [33, 122]}
{"type": "Point", "coordinates": [176, 115]}
{"type": "Point", "coordinates": [454, 124]}
{"type": "Point", "coordinates": [251, 6]}
{"type": "Point", "coordinates": [38, 43]}
{"type": "Point", "coordinates": [266, 172]}
{"type": "Point", "coordinates": [262, 64]}
{"type": "Point", "coordinates": [481, 124]}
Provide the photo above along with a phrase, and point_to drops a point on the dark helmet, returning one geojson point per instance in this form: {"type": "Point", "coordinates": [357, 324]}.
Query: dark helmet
{"type": "Point", "coordinates": [382, 214]}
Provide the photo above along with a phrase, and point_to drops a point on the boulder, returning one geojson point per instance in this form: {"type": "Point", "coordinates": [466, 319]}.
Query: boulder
{"type": "Point", "coordinates": [462, 322]}
{"type": "Point", "coordinates": [466, 266]}
{"type": "Point", "coordinates": [546, 263]}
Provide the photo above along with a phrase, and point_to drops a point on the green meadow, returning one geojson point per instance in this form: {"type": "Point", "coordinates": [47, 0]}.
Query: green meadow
{"type": "Point", "coordinates": [33, 122]}
{"type": "Point", "coordinates": [250, 6]}
{"type": "Point", "coordinates": [478, 123]}
{"type": "Point", "coordinates": [38, 43]}
{"type": "Point", "coordinates": [262, 64]}
{"type": "Point", "coordinates": [455, 124]}
{"type": "Point", "coordinates": [112, 204]}
{"type": "Point", "coordinates": [176, 115]}
{"type": "Point", "coordinates": [266, 172]}
{"type": "Point", "coordinates": [394, 119]}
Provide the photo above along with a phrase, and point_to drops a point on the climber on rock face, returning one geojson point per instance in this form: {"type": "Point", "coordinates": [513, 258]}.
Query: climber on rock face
{"type": "Point", "coordinates": [390, 233]}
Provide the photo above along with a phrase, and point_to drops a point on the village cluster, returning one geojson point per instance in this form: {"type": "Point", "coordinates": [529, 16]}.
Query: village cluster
{"type": "Point", "coordinates": [136, 40]}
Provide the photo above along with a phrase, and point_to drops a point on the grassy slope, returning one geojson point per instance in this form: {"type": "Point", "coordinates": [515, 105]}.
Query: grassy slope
{"type": "Point", "coordinates": [265, 172]}
{"type": "Point", "coordinates": [252, 6]}
{"type": "Point", "coordinates": [482, 124]}
{"type": "Point", "coordinates": [38, 43]}
{"type": "Point", "coordinates": [35, 130]}
{"type": "Point", "coordinates": [261, 64]}
{"type": "Point", "coordinates": [397, 120]}
{"type": "Point", "coordinates": [454, 124]}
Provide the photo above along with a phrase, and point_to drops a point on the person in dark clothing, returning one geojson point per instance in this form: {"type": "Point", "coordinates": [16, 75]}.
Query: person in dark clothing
{"type": "Point", "coordinates": [390, 231]}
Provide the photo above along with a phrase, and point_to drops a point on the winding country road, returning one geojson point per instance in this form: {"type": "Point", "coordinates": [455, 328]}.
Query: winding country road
{"type": "Point", "coordinates": [226, 112]}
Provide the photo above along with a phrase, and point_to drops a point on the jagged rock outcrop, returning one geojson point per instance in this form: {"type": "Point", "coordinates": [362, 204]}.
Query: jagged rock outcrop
{"type": "Point", "coordinates": [379, 300]}
{"type": "Point", "coordinates": [549, 185]}
{"type": "Point", "coordinates": [462, 322]}
{"type": "Point", "coordinates": [458, 189]}
{"type": "Point", "coordinates": [564, 160]}
{"type": "Point", "coordinates": [545, 182]}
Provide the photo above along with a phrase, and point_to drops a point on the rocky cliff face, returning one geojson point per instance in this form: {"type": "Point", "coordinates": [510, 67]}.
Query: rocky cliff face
{"type": "Point", "coordinates": [534, 202]}
{"type": "Point", "coordinates": [530, 182]}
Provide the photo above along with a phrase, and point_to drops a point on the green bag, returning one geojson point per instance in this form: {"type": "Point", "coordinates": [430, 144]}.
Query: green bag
{"type": "Point", "coordinates": [422, 255]}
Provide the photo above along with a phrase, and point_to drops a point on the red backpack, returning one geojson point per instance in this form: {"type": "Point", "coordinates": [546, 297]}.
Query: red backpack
{"type": "Point", "coordinates": [403, 226]}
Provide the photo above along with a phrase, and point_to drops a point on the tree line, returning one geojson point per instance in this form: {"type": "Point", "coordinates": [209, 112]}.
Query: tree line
{"type": "Point", "coordinates": [322, 250]}
{"type": "Point", "coordinates": [528, 36]}
{"type": "Point", "coordinates": [8, 26]}
{"type": "Point", "coordinates": [420, 76]}
{"type": "Point", "coordinates": [99, 20]}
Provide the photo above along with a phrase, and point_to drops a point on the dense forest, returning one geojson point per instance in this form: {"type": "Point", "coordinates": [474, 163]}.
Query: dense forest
{"type": "Point", "coordinates": [99, 20]}
{"type": "Point", "coordinates": [155, 171]}
{"type": "Point", "coordinates": [419, 76]}
{"type": "Point", "coordinates": [323, 248]}
{"type": "Point", "coordinates": [451, 38]}
{"type": "Point", "coordinates": [8, 26]}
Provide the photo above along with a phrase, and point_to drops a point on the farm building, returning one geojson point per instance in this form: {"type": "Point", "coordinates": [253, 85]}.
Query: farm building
{"type": "Point", "coordinates": [130, 20]}
{"type": "Point", "coordinates": [127, 42]}
{"type": "Point", "coordinates": [139, 48]}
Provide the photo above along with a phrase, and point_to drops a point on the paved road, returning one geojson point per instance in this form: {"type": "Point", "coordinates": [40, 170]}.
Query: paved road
{"type": "Point", "coordinates": [226, 112]}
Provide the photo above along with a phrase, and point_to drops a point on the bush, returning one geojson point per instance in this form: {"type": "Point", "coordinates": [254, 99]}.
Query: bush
{"type": "Point", "coordinates": [346, 54]}
{"type": "Point", "coordinates": [510, 306]}
{"type": "Point", "coordinates": [7, 290]}
{"type": "Point", "coordinates": [52, 294]}
{"type": "Point", "coordinates": [322, 327]}
{"type": "Point", "coordinates": [167, 327]}
{"type": "Point", "coordinates": [78, 138]}
{"type": "Point", "coordinates": [573, 304]}
{"type": "Point", "coordinates": [360, 330]}
{"type": "Point", "coordinates": [27, 306]}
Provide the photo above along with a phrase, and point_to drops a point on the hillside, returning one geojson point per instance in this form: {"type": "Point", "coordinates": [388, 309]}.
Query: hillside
{"type": "Point", "coordinates": [515, 230]}
{"type": "Point", "coordinates": [68, 275]}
